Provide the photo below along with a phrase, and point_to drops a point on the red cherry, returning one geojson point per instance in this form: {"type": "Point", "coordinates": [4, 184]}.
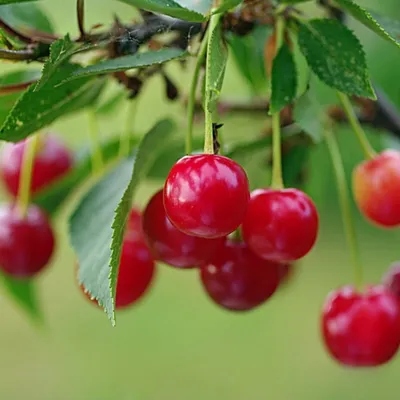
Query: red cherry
{"type": "Point", "coordinates": [376, 187]}
{"type": "Point", "coordinates": [236, 279]}
{"type": "Point", "coordinates": [52, 161]}
{"type": "Point", "coordinates": [361, 329]}
{"type": "Point", "coordinates": [26, 243]}
{"type": "Point", "coordinates": [280, 225]}
{"type": "Point", "coordinates": [134, 228]}
{"type": "Point", "coordinates": [136, 273]}
{"type": "Point", "coordinates": [206, 195]}
{"type": "Point", "coordinates": [136, 269]}
{"type": "Point", "coordinates": [392, 279]}
{"type": "Point", "coordinates": [170, 245]}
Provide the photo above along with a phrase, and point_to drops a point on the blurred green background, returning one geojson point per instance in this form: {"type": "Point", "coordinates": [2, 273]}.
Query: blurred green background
{"type": "Point", "coordinates": [176, 345]}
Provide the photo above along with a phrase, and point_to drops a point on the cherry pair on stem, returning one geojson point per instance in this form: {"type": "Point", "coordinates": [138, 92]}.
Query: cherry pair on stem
{"type": "Point", "coordinates": [208, 196]}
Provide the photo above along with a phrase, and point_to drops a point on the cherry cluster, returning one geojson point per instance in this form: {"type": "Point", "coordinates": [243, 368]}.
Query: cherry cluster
{"type": "Point", "coordinates": [244, 245]}
{"type": "Point", "coordinates": [27, 240]}
{"type": "Point", "coordinates": [196, 221]}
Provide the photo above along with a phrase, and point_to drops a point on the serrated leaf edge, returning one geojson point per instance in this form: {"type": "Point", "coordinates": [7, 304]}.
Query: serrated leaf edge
{"type": "Point", "coordinates": [308, 25]}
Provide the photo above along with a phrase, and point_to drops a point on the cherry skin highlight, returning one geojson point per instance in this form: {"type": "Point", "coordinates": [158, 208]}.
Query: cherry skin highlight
{"type": "Point", "coordinates": [136, 269]}
{"type": "Point", "coordinates": [206, 195]}
{"type": "Point", "coordinates": [361, 329]}
{"type": "Point", "coordinates": [391, 280]}
{"type": "Point", "coordinates": [280, 225]}
{"type": "Point", "coordinates": [26, 243]}
{"type": "Point", "coordinates": [376, 187]}
{"type": "Point", "coordinates": [236, 279]}
{"type": "Point", "coordinates": [170, 245]}
{"type": "Point", "coordinates": [52, 161]}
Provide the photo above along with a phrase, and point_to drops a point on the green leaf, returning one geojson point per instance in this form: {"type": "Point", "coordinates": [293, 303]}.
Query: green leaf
{"type": "Point", "coordinates": [309, 115]}
{"type": "Point", "coordinates": [386, 27]}
{"type": "Point", "coordinates": [284, 80]}
{"type": "Point", "coordinates": [171, 8]}
{"type": "Point", "coordinates": [25, 16]}
{"type": "Point", "coordinates": [248, 54]}
{"type": "Point", "coordinates": [302, 68]}
{"type": "Point", "coordinates": [7, 101]}
{"type": "Point", "coordinates": [217, 53]}
{"type": "Point", "coordinates": [336, 56]}
{"type": "Point", "coordinates": [126, 62]}
{"type": "Point", "coordinates": [227, 5]}
{"type": "Point", "coordinates": [37, 109]}
{"type": "Point", "coordinates": [60, 51]}
{"type": "Point", "coordinates": [55, 196]}
{"type": "Point", "coordinates": [97, 224]}
{"type": "Point", "coordinates": [23, 292]}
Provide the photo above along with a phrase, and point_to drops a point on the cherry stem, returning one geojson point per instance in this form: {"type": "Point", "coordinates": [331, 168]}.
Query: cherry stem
{"type": "Point", "coordinates": [96, 153]}
{"type": "Point", "coordinates": [368, 151]}
{"type": "Point", "coordinates": [25, 179]}
{"type": "Point", "coordinates": [125, 138]}
{"type": "Point", "coordinates": [345, 203]}
{"type": "Point", "coordinates": [208, 134]}
{"type": "Point", "coordinates": [277, 181]}
{"type": "Point", "coordinates": [17, 55]}
{"type": "Point", "coordinates": [192, 94]}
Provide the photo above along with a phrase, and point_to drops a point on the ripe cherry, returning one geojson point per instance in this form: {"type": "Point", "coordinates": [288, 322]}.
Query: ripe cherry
{"type": "Point", "coordinates": [206, 195]}
{"type": "Point", "coordinates": [136, 273]}
{"type": "Point", "coordinates": [391, 280]}
{"type": "Point", "coordinates": [376, 187]}
{"type": "Point", "coordinates": [136, 269]}
{"type": "Point", "coordinates": [51, 162]}
{"type": "Point", "coordinates": [361, 329]}
{"type": "Point", "coordinates": [134, 226]}
{"type": "Point", "coordinates": [236, 279]}
{"type": "Point", "coordinates": [280, 225]}
{"type": "Point", "coordinates": [26, 243]}
{"type": "Point", "coordinates": [170, 245]}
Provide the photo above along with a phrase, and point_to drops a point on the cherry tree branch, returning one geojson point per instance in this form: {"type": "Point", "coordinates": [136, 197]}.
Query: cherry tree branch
{"type": "Point", "coordinates": [17, 55]}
